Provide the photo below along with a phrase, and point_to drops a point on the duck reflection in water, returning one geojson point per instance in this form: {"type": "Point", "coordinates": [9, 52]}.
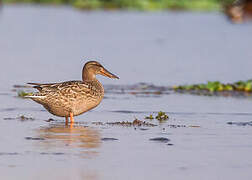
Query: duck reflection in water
{"type": "Point", "coordinates": [73, 136]}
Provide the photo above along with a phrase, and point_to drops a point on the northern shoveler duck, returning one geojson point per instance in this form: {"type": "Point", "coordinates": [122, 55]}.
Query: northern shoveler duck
{"type": "Point", "coordinates": [72, 98]}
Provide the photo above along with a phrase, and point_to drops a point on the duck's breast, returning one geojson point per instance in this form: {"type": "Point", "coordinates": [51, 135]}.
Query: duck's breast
{"type": "Point", "coordinates": [85, 104]}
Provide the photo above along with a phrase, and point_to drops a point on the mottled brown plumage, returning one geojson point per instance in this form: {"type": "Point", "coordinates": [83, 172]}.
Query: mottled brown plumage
{"type": "Point", "coordinates": [72, 98]}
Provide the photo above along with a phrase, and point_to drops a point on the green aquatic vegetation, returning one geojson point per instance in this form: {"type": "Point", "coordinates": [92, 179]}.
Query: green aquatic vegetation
{"type": "Point", "coordinates": [149, 117]}
{"type": "Point", "coordinates": [162, 116]}
{"type": "Point", "coordinates": [146, 5]}
{"type": "Point", "coordinates": [23, 94]}
{"type": "Point", "coordinates": [216, 86]}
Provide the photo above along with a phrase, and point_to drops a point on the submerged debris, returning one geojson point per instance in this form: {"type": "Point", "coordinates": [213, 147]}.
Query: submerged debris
{"type": "Point", "coordinates": [34, 138]}
{"type": "Point", "coordinates": [98, 123]}
{"type": "Point", "coordinates": [21, 118]}
{"type": "Point", "coordinates": [240, 123]}
{"type": "Point", "coordinates": [53, 153]}
{"type": "Point", "coordinates": [136, 122]}
{"type": "Point", "coordinates": [182, 126]}
{"type": "Point", "coordinates": [109, 139]}
{"type": "Point", "coordinates": [160, 139]}
{"type": "Point", "coordinates": [160, 117]}
{"type": "Point", "coordinates": [50, 120]}
{"type": "Point", "coordinates": [143, 129]}
{"type": "Point", "coordinates": [175, 125]}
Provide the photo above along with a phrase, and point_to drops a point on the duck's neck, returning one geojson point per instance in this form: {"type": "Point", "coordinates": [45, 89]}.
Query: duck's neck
{"type": "Point", "coordinates": [90, 77]}
{"type": "Point", "coordinates": [87, 75]}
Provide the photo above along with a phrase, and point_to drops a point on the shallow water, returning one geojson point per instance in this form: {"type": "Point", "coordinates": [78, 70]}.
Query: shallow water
{"type": "Point", "coordinates": [48, 44]}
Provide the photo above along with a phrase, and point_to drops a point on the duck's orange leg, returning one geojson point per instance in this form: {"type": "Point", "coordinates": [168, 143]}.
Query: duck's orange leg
{"type": "Point", "coordinates": [71, 118]}
{"type": "Point", "coordinates": [66, 120]}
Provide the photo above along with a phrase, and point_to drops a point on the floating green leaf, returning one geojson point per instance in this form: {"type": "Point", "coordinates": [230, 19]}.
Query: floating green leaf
{"type": "Point", "coordinates": [216, 86]}
{"type": "Point", "coordinates": [162, 116]}
{"type": "Point", "coordinates": [149, 117]}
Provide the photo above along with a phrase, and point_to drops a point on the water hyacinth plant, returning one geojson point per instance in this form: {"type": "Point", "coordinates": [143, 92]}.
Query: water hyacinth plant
{"type": "Point", "coordinates": [216, 86]}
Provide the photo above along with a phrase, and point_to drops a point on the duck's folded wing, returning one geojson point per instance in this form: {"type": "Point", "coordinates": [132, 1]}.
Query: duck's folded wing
{"type": "Point", "coordinates": [45, 87]}
{"type": "Point", "coordinates": [57, 86]}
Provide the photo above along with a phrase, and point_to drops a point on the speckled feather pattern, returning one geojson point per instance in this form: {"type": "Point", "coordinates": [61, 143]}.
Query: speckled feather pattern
{"type": "Point", "coordinates": [72, 96]}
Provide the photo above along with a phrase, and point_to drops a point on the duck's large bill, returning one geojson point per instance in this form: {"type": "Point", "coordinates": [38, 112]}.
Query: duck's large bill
{"type": "Point", "coordinates": [105, 72]}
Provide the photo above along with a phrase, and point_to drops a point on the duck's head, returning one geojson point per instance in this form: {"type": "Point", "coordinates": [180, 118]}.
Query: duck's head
{"type": "Point", "coordinates": [92, 68]}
